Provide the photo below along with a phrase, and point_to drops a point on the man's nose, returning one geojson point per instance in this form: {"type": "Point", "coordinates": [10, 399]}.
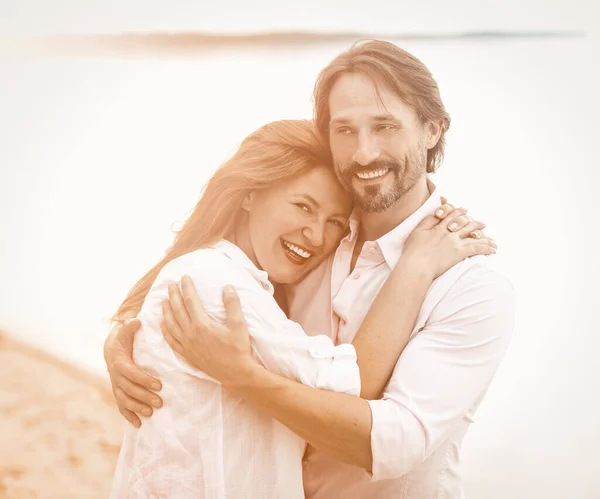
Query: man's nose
{"type": "Point", "coordinates": [367, 149]}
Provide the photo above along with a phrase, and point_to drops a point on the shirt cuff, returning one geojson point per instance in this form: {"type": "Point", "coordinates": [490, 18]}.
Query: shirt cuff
{"type": "Point", "coordinates": [387, 443]}
{"type": "Point", "coordinates": [341, 374]}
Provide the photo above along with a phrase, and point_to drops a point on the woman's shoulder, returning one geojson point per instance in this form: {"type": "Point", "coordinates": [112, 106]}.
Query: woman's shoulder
{"type": "Point", "coordinates": [208, 266]}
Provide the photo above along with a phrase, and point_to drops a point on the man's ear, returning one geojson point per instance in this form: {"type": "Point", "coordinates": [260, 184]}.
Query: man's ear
{"type": "Point", "coordinates": [247, 202]}
{"type": "Point", "coordinates": [434, 132]}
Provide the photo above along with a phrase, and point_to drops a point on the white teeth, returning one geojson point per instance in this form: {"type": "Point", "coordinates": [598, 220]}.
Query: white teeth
{"type": "Point", "coordinates": [299, 251]}
{"type": "Point", "coordinates": [372, 174]}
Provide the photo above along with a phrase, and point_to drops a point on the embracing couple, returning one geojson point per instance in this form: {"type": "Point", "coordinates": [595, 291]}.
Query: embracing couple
{"type": "Point", "coordinates": [324, 325]}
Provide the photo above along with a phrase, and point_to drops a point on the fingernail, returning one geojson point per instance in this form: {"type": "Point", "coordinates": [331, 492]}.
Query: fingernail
{"type": "Point", "coordinates": [229, 289]}
{"type": "Point", "coordinates": [147, 412]}
{"type": "Point", "coordinates": [137, 424]}
{"type": "Point", "coordinates": [156, 386]}
{"type": "Point", "coordinates": [476, 234]}
{"type": "Point", "coordinates": [439, 213]}
{"type": "Point", "coordinates": [452, 226]}
{"type": "Point", "coordinates": [155, 402]}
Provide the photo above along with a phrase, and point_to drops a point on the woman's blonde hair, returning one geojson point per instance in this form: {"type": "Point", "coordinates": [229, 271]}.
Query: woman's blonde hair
{"type": "Point", "coordinates": [275, 152]}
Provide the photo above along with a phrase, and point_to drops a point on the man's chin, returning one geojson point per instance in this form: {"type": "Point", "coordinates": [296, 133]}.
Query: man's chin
{"type": "Point", "coordinates": [375, 204]}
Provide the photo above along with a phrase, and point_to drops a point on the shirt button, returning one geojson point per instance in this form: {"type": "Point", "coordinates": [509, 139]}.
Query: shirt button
{"type": "Point", "coordinates": [356, 275]}
{"type": "Point", "coordinates": [342, 322]}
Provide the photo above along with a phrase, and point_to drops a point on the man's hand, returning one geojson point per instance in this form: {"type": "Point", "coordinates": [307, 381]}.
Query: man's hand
{"type": "Point", "coordinates": [220, 350]}
{"type": "Point", "coordinates": [131, 386]}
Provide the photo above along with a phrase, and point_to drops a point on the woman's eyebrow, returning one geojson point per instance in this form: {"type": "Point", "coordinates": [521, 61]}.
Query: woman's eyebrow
{"type": "Point", "coordinates": [309, 198]}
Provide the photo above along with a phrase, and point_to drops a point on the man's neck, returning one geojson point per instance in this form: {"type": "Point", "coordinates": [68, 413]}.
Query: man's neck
{"type": "Point", "coordinates": [375, 225]}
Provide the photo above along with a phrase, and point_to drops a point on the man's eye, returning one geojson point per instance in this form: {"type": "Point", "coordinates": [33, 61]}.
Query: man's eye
{"type": "Point", "coordinates": [386, 128]}
{"type": "Point", "coordinates": [344, 131]}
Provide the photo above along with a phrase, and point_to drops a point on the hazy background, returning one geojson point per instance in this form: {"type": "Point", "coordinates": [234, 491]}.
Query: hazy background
{"type": "Point", "coordinates": [106, 141]}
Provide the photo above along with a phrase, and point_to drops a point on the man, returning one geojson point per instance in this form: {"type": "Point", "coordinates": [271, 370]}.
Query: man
{"type": "Point", "coordinates": [381, 112]}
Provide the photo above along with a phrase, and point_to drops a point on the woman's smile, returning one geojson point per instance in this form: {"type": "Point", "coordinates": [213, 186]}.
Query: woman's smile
{"type": "Point", "coordinates": [294, 253]}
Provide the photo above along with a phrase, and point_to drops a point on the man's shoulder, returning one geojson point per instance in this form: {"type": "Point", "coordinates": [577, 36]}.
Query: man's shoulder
{"type": "Point", "coordinates": [480, 272]}
{"type": "Point", "coordinates": [483, 272]}
{"type": "Point", "coordinates": [474, 288]}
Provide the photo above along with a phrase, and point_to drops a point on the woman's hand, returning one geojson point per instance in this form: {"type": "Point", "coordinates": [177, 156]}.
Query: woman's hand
{"type": "Point", "coordinates": [130, 385]}
{"type": "Point", "coordinates": [442, 240]}
{"type": "Point", "coordinates": [222, 351]}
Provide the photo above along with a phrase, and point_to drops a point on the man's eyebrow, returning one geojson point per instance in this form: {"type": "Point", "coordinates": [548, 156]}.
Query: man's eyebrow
{"type": "Point", "coordinates": [339, 120]}
{"type": "Point", "coordinates": [385, 117]}
{"type": "Point", "coordinates": [379, 117]}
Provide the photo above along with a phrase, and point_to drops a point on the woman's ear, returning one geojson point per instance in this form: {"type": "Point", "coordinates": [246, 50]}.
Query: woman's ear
{"type": "Point", "coordinates": [247, 203]}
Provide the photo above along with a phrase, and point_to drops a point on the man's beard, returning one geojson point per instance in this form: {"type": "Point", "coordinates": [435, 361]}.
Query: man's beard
{"type": "Point", "coordinates": [406, 173]}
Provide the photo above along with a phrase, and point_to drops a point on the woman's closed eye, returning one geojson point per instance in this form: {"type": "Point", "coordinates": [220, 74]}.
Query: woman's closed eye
{"type": "Point", "coordinates": [338, 223]}
{"type": "Point", "coordinates": [304, 207]}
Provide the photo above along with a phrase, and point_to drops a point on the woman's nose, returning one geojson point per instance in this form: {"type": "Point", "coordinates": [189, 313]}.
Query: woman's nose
{"type": "Point", "coordinates": [315, 234]}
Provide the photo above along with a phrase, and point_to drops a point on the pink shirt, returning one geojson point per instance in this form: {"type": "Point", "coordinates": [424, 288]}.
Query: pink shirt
{"type": "Point", "coordinates": [461, 335]}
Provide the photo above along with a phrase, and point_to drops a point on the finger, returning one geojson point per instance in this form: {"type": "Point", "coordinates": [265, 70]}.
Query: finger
{"type": "Point", "coordinates": [124, 401]}
{"type": "Point", "coordinates": [459, 222]}
{"type": "Point", "coordinates": [129, 328]}
{"type": "Point", "coordinates": [126, 368]}
{"type": "Point", "coordinates": [178, 306]}
{"type": "Point", "coordinates": [170, 322]}
{"type": "Point", "coordinates": [443, 200]}
{"type": "Point", "coordinates": [139, 393]}
{"type": "Point", "coordinates": [490, 240]}
{"type": "Point", "coordinates": [481, 249]}
{"type": "Point", "coordinates": [131, 417]}
{"type": "Point", "coordinates": [451, 217]}
{"type": "Point", "coordinates": [175, 345]}
{"type": "Point", "coordinates": [429, 222]}
{"type": "Point", "coordinates": [233, 307]}
{"type": "Point", "coordinates": [192, 302]}
{"type": "Point", "coordinates": [443, 211]}
{"type": "Point", "coordinates": [482, 246]}
{"type": "Point", "coordinates": [472, 229]}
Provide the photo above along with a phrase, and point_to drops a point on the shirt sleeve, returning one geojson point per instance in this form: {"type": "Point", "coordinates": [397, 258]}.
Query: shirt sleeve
{"type": "Point", "coordinates": [280, 344]}
{"type": "Point", "coordinates": [442, 372]}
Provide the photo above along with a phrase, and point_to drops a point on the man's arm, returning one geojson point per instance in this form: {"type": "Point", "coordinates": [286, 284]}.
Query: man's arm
{"type": "Point", "coordinates": [130, 385]}
{"type": "Point", "coordinates": [440, 375]}
{"type": "Point", "coordinates": [337, 423]}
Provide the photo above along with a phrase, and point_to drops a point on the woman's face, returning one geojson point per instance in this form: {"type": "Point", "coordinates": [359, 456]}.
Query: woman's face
{"type": "Point", "coordinates": [295, 225]}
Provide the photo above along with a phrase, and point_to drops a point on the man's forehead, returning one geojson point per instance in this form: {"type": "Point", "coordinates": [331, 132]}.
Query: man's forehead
{"type": "Point", "coordinates": [357, 96]}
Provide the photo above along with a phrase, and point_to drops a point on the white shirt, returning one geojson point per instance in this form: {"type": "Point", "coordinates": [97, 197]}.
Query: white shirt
{"type": "Point", "coordinates": [461, 334]}
{"type": "Point", "coordinates": [206, 442]}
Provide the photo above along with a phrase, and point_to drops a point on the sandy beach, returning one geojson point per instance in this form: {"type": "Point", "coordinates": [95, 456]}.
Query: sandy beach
{"type": "Point", "coordinates": [60, 432]}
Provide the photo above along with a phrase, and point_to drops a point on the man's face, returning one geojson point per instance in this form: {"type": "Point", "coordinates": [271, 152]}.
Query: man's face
{"type": "Point", "coordinates": [378, 143]}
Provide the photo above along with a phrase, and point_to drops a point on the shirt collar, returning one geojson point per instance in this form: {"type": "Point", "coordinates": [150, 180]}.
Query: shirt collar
{"type": "Point", "coordinates": [237, 255]}
{"type": "Point", "coordinates": [392, 243]}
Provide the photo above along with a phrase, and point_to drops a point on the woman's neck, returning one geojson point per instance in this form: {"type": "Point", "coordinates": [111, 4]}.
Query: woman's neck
{"type": "Point", "coordinates": [241, 238]}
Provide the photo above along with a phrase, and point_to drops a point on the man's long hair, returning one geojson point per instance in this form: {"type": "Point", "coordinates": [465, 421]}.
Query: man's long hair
{"type": "Point", "coordinates": [395, 69]}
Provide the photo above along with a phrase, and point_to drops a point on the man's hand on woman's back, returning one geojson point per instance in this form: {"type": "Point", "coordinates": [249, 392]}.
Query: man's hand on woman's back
{"type": "Point", "coordinates": [134, 390]}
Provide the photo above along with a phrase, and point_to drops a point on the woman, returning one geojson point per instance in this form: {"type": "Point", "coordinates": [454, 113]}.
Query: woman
{"type": "Point", "coordinates": [269, 215]}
